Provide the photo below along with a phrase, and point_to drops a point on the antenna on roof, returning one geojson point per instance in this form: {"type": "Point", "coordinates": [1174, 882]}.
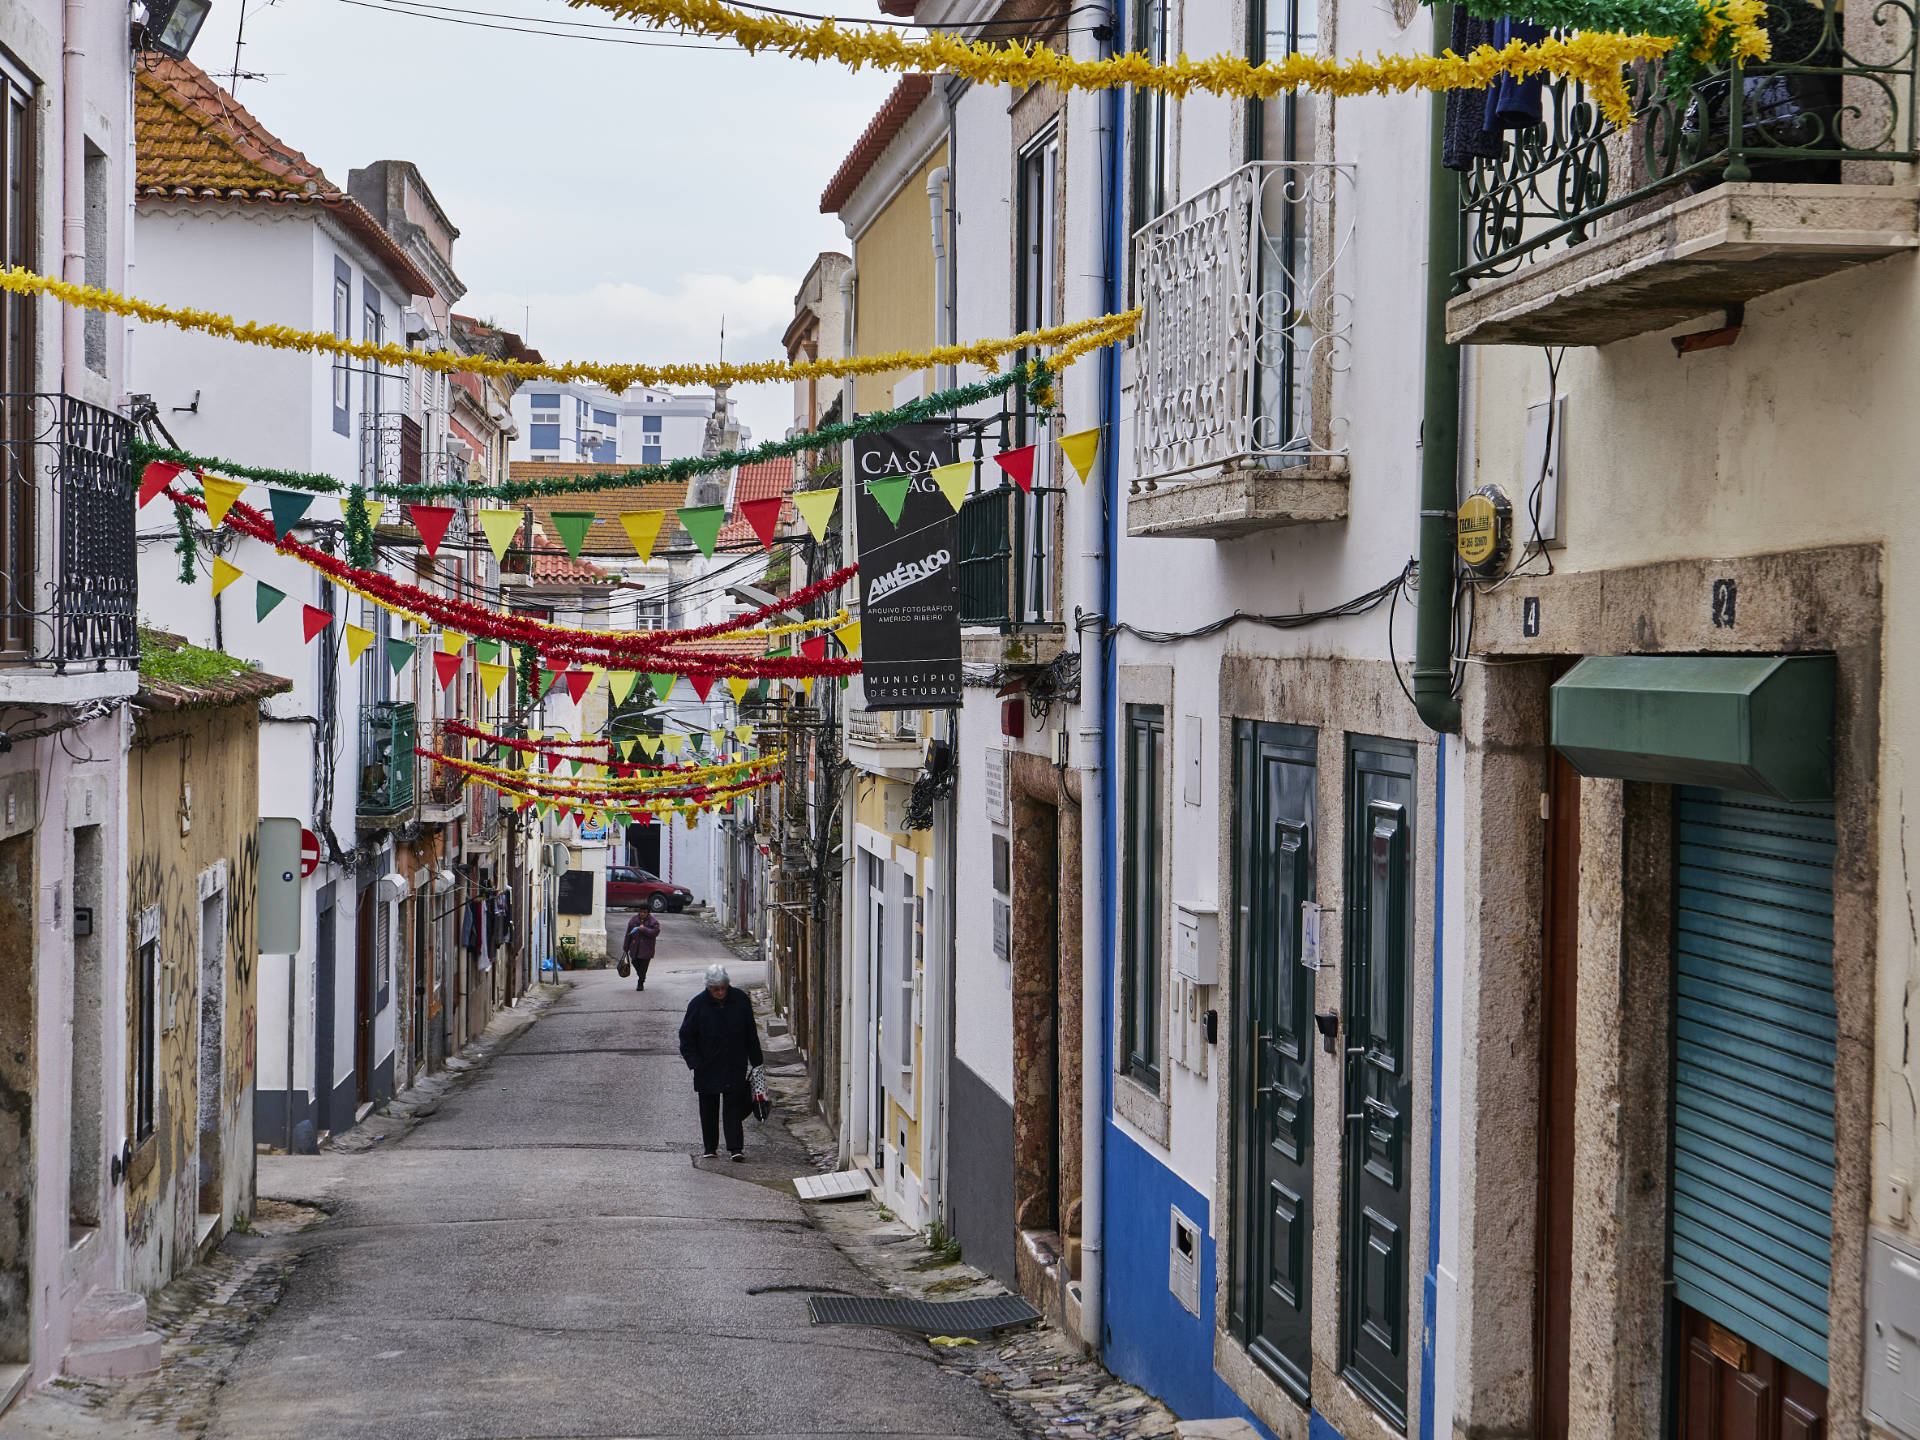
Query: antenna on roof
{"type": "Point", "coordinates": [723, 339]}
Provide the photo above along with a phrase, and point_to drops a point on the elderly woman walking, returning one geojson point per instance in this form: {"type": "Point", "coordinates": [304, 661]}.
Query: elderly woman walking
{"type": "Point", "coordinates": [720, 1043]}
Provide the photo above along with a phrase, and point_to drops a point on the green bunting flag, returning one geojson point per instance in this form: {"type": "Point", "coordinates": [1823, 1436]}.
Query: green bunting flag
{"type": "Point", "coordinates": [703, 523]}
{"type": "Point", "coordinates": [573, 526]}
{"type": "Point", "coordinates": [265, 597]}
{"type": "Point", "coordinates": [698, 739]}
{"type": "Point", "coordinates": [288, 507]}
{"type": "Point", "coordinates": [662, 684]}
{"type": "Point", "coordinates": [399, 654]}
{"type": "Point", "coordinates": [489, 651]}
{"type": "Point", "coordinates": [547, 677]}
{"type": "Point", "coordinates": [891, 494]}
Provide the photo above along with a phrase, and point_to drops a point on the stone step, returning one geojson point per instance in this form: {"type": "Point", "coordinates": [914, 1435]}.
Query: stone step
{"type": "Point", "coordinates": [109, 1315]}
{"type": "Point", "coordinates": [114, 1359]}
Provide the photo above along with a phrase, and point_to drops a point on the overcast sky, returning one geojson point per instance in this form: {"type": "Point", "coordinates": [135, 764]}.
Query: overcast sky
{"type": "Point", "coordinates": [613, 200]}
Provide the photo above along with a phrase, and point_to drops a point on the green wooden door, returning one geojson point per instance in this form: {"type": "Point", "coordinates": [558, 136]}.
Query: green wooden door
{"type": "Point", "coordinates": [1272, 1298]}
{"type": "Point", "coordinates": [1376, 1205]}
{"type": "Point", "coordinates": [1754, 1029]}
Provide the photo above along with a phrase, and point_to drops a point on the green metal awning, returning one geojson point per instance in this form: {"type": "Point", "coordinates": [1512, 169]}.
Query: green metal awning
{"type": "Point", "coordinates": [1762, 724]}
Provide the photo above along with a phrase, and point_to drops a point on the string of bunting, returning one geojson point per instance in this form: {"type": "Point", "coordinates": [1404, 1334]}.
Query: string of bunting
{"type": "Point", "coordinates": [556, 748]}
{"type": "Point", "coordinates": [1595, 56]}
{"type": "Point", "coordinates": [653, 787]}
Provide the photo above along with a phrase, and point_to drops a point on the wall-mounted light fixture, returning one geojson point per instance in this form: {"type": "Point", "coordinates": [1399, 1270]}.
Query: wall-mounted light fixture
{"type": "Point", "coordinates": [169, 26]}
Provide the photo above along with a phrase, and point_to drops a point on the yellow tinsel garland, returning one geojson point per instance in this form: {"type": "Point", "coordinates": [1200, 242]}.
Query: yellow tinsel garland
{"type": "Point", "coordinates": [1595, 58]}
{"type": "Point", "coordinates": [1074, 340]}
{"type": "Point", "coordinates": [638, 788]}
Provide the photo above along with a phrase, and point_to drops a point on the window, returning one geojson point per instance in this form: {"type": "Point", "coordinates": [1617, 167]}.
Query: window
{"type": "Point", "coordinates": [605, 453]}
{"type": "Point", "coordinates": [604, 418]}
{"type": "Point", "coordinates": [544, 437]}
{"type": "Point", "coordinates": [342, 330]}
{"type": "Point", "coordinates": [1037, 298]}
{"type": "Point", "coordinates": [372, 330]}
{"type": "Point", "coordinates": [1149, 116]}
{"type": "Point", "coordinates": [650, 455]}
{"type": "Point", "coordinates": [547, 402]}
{"type": "Point", "coordinates": [382, 956]}
{"type": "Point", "coordinates": [18, 527]}
{"type": "Point", "coordinates": [1145, 842]}
{"type": "Point", "coordinates": [97, 179]}
{"type": "Point", "coordinates": [1280, 128]}
{"type": "Point", "coordinates": [650, 424]}
{"type": "Point", "coordinates": [146, 1033]}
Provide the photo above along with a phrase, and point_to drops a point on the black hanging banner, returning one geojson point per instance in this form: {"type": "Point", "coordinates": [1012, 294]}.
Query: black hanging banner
{"type": "Point", "coordinates": [909, 603]}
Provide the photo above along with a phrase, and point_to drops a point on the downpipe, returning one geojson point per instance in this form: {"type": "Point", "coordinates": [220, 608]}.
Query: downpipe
{"type": "Point", "coordinates": [73, 192]}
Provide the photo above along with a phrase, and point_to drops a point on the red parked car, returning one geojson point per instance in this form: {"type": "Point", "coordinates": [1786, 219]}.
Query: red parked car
{"type": "Point", "coordinates": [629, 888]}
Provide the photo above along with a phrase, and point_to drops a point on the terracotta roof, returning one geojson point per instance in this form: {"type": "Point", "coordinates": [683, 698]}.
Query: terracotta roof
{"type": "Point", "coordinates": [245, 686]}
{"type": "Point", "coordinates": [895, 111]}
{"type": "Point", "coordinates": [553, 566]}
{"type": "Point", "coordinates": [607, 535]}
{"type": "Point", "coordinates": [194, 141]}
{"type": "Point", "coordinates": [761, 481]}
{"type": "Point", "coordinates": [480, 338]}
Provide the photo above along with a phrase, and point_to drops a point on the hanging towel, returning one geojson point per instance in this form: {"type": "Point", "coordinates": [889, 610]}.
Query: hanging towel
{"type": "Point", "coordinates": [1514, 103]}
{"type": "Point", "coordinates": [1467, 137]}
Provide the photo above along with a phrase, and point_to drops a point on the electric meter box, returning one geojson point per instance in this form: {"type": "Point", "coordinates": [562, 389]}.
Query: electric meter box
{"type": "Point", "coordinates": [1196, 944]}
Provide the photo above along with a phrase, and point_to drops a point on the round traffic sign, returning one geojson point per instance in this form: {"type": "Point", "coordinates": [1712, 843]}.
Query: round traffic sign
{"type": "Point", "coordinates": [309, 852]}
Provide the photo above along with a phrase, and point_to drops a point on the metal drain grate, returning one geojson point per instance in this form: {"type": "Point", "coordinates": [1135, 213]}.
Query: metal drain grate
{"type": "Point", "coordinates": [927, 1317]}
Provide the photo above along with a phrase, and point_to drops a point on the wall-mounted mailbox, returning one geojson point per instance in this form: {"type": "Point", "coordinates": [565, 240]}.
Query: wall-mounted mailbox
{"type": "Point", "coordinates": [1196, 944]}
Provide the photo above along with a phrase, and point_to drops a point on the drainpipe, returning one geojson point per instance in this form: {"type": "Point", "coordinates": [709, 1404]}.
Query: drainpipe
{"type": "Point", "coordinates": [1433, 694]}
{"type": "Point", "coordinates": [849, 785]}
{"type": "Point", "coordinates": [73, 204]}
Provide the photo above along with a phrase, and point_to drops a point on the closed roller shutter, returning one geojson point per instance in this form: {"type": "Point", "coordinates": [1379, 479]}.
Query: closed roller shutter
{"type": "Point", "coordinates": [1753, 1070]}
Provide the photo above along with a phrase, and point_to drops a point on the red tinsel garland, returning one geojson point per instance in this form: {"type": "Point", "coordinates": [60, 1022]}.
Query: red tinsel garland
{"type": "Point", "coordinates": [615, 649]}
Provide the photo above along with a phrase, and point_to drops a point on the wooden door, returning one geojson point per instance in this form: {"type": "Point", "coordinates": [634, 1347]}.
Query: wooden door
{"type": "Point", "coordinates": [1275, 785]}
{"type": "Point", "coordinates": [324, 946]}
{"type": "Point", "coordinates": [363, 1001]}
{"type": "Point", "coordinates": [1731, 1389]}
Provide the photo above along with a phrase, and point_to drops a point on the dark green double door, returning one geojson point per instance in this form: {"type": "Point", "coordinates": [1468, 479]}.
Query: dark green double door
{"type": "Point", "coordinates": [1275, 835]}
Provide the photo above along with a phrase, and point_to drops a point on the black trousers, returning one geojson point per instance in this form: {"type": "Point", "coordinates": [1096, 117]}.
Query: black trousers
{"type": "Point", "coordinates": [739, 1103]}
{"type": "Point", "coordinates": [640, 971]}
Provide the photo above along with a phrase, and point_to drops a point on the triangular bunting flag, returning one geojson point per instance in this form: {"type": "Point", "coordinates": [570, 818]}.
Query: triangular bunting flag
{"type": "Point", "coordinates": [313, 620]}
{"type": "Point", "coordinates": [702, 682]}
{"type": "Point", "coordinates": [375, 509]}
{"type": "Point", "coordinates": [288, 506]}
{"type": "Point", "coordinates": [890, 494]}
{"type": "Point", "coordinates": [399, 654]}
{"type": "Point", "coordinates": [739, 685]}
{"type": "Point", "coordinates": [451, 642]}
{"type": "Point", "coordinates": [626, 749]}
{"type": "Point", "coordinates": [643, 529]}
{"type": "Point", "coordinates": [814, 649]}
{"type": "Point", "coordinates": [358, 638]}
{"type": "Point", "coordinates": [816, 508]}
{"type": "Point", "coordinates": [1081, 448]}
{"type": "Point", "coordinates": [547, 677]}
{"type": "Point", "coordinates": [431, 521]}
{"type": "Point", "coordinates": [220, 497]}
{"type": "Point", "coordinates": [446, 665]}
{"type": "Point", "coordinates": [491, 676]}
{"type": "Point", "coordinates": [698, 739]}
{"type": "Point", "coordinates": [500, 527]}
{"type": "Point", "coordinates": [662, 684]}
{"type": "Point", "coordinates": [673, 742]}
{"type": "Point", "coordinates": [572, 526]}
{"type": "Point", "coordinates": [620, 684]}
{"type": "Point", "coordinates": [488, 651]}
{"type": "Point", "coordinates": [849, 636]}
{"type": "Point", "coordinates": [1018, 464]}
{"type": "Point", "coordinates": [265, 597]}
{"type": "Point", "coordinates": [953, 480]}
{"type": "Point", "coordinates": [719, 740]}
{"type": "Point", "coordinates": [223, 574]}
{"type": "Point", "coordinates": [553, 761]}
{"type": "Point", "coordinates": [743, 733]}
{"type": "Point", "coordinates": [650, 744]}
{"type": "Point", "coordinates": [578, 682]}
{"type": "Point", "coordinates": [764, 516]}
{"type": "Point", "coordinates": [703, 523]}
{"type": "Point", "coordinates": [156, 477]}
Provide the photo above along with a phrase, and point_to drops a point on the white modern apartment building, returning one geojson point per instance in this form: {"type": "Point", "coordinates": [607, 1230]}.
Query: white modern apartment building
{"type": "Point", "coordinates": [586, 422]}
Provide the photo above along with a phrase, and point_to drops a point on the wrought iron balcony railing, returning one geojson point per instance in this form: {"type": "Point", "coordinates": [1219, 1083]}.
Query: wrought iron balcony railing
{"type": "Point", "coordinates": [69, 581]}
{"type": "Point", "coordinates": [1835, 103]}
{"type": "Point", "coordinates": [1244, 321]}
{"type": "Point", "coordinates": [1006, 556]}
{"type": "Point", "coordinates": [442, 784]}
{"type": "Point", "coordinates": [386, 758]}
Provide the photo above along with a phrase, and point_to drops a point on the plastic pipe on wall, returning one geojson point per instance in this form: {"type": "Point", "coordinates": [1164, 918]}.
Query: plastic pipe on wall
{"type": "Point", "coordinates": [73, 198]}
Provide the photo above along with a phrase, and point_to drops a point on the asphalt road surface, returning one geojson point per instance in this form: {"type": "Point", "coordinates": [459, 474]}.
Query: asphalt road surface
{"type": "Point", "coordinates": [547, 1256]}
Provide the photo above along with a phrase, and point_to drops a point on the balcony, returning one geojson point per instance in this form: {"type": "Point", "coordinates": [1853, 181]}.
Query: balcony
{"type": "Point", "coordinates": [443, 789]}
{"type": "Point", "coordinates": [68, 571]}
{"type": "Point", "coordinates": [1008, 551]}
{"type": "Point", "coordinates": [1245, 327]}
{"type": "Point", "coordinates": [1756, 179]}
{"type": "Point", "coordinates": [386, 761]}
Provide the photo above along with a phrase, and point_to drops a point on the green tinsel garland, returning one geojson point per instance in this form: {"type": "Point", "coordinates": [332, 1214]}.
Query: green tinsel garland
{"type": "Point", "coordinates": [359, 529]}
{"type": "Point", "coordinates": [1680, 18]}
{"type": "Point", "coordinates": [529, 675]}
{"type": "Point", "coordinates": [1035, 376]}
{"type": "Point", "coordinates": [186, 547]}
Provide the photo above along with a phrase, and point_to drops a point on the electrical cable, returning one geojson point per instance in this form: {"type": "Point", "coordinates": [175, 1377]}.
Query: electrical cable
{"type": "Point", "coordinates": [395, 7]}
{"type": "Point", "coordinates": [1358, 605]}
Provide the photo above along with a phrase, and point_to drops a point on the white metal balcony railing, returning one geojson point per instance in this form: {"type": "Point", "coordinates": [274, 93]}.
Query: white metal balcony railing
{"type": "Point", "coordinates": [1245, 321]}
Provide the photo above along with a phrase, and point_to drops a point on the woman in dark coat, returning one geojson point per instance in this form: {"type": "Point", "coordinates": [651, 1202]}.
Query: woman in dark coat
{"type": "Point", "coordinates": [719, 1042]}
{"type": "Point", "coordinates": [642, 930]}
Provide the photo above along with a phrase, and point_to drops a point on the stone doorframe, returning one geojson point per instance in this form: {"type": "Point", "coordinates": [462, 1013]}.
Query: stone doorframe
{"type": "Point", "coordinates": [1815, 600]}
{"type": "Point", "coordinates": [1045, 953]}
{"type": "Point", "coordinates": [1340, 698]}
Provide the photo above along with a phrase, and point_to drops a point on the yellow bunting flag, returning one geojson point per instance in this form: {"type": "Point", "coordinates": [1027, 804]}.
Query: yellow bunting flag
{"type": "Point", "coordinates": [223, 574]}
{"type": "Point", "coordinates": [849, 636]}
{"type": "Point", "coordinates": [743, 733]}
{"type": "Point", "coordinates": [952, 480]}
{"type": "Point", "coordinates": [673, 742]}
{"type": "Point", "coordinates": [491, 676]}
{"type": "Point", "coordinates": [501, 526]}
{"type": "Point", "coordinates": [643, 529]}
{"type": "Point", "coordinates": [621, 683]}
{"type": "Point", "coordinates": [650, 744]}
{"type": "Point", "coordinates": [1081, 448]}
{"type": "Point", "coordinates": [220, 497]}
{"type": "Point", "coordinates": [595, 674]}
{"type": "Point", "coordinates": [816, 508]}
{"type": "Point", "coordinates": [626, 749]}
{"type": "Point", "coordinates": [739, 685]}
{"type": "Point", "coordinates": [719, 739]}
{"type": "Point", "coordinates": [375, 509]}
{"type": "Point", "coordinates": [358, 638]}
{"type": "Point", "coordinates": [536, 735]}
{"type": "Point", "coordinates": [451, 642]}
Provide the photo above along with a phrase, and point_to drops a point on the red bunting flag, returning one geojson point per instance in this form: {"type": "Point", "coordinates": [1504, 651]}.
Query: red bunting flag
{"type": "Point", "coordinates": [553, 762]}
{"type": "Point", "coordinates": [446, 667]}
{"type": "Point", "coordinates": [763, 515]}
{"type": "Point", "coordinates": [645, 817]}
{"type": "Point", "coordinates": [814, 649]}
{"type": "Point", "coordinates": [156, 477]}
{"type": "Point", "coordinates": [432, 521]}
{"type": "Point", "coordinates": [702, 682]}
{"type": "Point", "coordinates": [577, 683]}
{"type": "Point", "coordinates": [313, 620]}
{"type": "Point", "coordinates": [1018, 464]}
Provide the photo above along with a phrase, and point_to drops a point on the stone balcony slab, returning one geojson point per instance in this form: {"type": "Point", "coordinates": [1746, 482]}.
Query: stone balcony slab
{"type": "Point", "coordinates": [1230, 502]}
{"type": "Point", "coordinates": [1699, 254]}
{"type": "Point", "coordinates": [1030, 645]}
